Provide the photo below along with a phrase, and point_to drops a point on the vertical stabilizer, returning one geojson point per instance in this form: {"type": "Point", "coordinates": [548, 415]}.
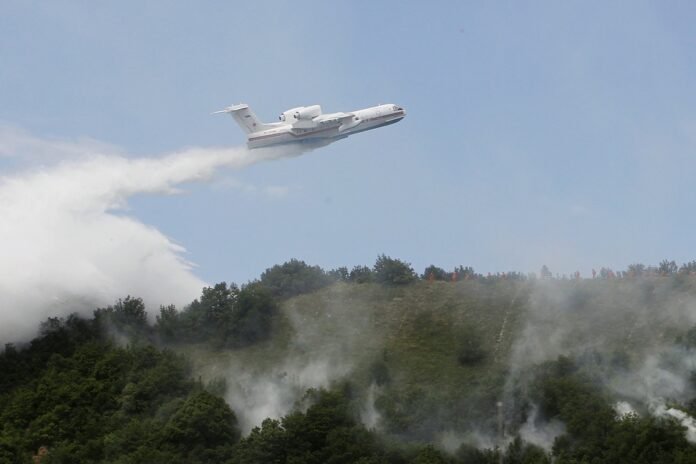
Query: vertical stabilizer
{"type": "Point", "coordinates": [246, 118]}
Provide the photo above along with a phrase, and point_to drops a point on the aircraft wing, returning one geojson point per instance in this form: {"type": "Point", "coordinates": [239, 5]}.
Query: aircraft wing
{"type": "Point", "coordinates": [346, 121]}
{"type": "Point", "coordinates": [323, 120]}
{"type": "Point", "coordinates": [334, 117]}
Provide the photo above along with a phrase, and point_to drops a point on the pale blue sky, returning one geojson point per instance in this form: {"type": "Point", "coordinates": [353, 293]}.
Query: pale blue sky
{"type": "Point", "coordinates": [537, 132]}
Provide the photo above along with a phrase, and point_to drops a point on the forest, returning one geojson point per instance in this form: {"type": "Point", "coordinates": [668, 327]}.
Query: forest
{"type": "Point", "coordinates": [377, 364]}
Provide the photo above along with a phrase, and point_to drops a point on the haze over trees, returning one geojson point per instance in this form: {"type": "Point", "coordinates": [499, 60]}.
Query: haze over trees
{"type": "Point", "coordinates": [430, 356]}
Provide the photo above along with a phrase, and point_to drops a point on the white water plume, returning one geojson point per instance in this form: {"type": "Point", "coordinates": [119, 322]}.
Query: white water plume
{"type": "Point", "coordinates": [66, 244]}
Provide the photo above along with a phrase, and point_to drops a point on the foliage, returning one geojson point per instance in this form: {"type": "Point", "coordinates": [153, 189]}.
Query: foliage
{"type": "Point", "coordinates": [667, 267]}
{"type": "Point", "coordinates": [470, 350]}
{"type": "Point", "coordinates": [223, 316]}
{"type": "Point", "coordinates": [252, 316]}
{"type": "Point", "coordinates": [688, 268]}
{"type": "Point", "coordinates": [545, 273]}
{"type": "Point", "coordinates": [201, 423]}
{"type": "Point", "coordinates": [460, 272]}
{"type": "Point", "coordinates": [87, 400]}
{"type": "Point", "coordinates": [325, 433]}
{"type": "Point", "coordinates": [636, 269]}
{"type": "Point", "coordinates": [433, 272]}
{"type": "Point", "coordinates": [429, 455]}
{"type": "Point", "coordinates": [127, 317]}
{"type": "Point", "coordinates": [390, 271]}
{"type": "Point", "coordinates": [339, 274]}
{"type": "Point", "coordinates": [361, 275]}
{"type": "Point", "coordinates": [379, 373]}
{"type": "Point", "coordinates": [594, 433]}
{"type": "Point", "coordinates": [294, 277]}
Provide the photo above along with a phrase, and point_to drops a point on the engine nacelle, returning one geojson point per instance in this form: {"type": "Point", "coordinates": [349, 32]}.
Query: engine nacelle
{"type": "Point", "coordinates": [301, 112]}
{"type": "Point", "coordinates": [308, 112]}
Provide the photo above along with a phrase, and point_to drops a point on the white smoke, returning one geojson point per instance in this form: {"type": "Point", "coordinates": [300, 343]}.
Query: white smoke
{"type": "Point", "coordinates": [541, 433]}
{"type": "Point", "coordinates": [661, 410]}
{"type": "Point", "coordinates": [661, 375]}
{"type": "Point", "coordinates": [66, 243]}
{"type": "Point", "coordinates": [639, 317]}
{"type": "Point", "coordinates": [256, 395]}
{"type": "Point", "coordinates": [624, 409]}
{"type": "Point", "coordinates": [369, 415]}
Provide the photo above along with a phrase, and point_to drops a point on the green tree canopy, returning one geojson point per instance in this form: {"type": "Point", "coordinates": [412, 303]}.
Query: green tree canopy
{"type": "Point", "coordinates": [390, 271]}
{"type": "Point", "coordinates": [294, 277]}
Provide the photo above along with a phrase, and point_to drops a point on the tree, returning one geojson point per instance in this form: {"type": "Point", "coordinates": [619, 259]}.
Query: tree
{"type": "Point", "coordinates": [390, 271]}
{"type": "Point", "coordinates": [545, 273]}
{"type": "Point", "coordinates": [464, 272]}
{"type": "Point", "coordinates": [87, 399]}
{"type": "Point", "coordinates": [361, 275]}
{"type": "Point", "coordinates": [326, 433]}
{"type": "Point", "coordinates": [202, 421]}
{"type": "Point", "coordinates": [210, 317]}
{"type": "Point", "coordinates": [127, 316]}
{"type": "Point", "coordinates": [167, 323]}
{"type": "Point", "coordinates": [635, 270]}
{"type": "Point", "coordinates": [252, 317]}
{"type": "Point", "coordinates": [340, 273]}
{"type": "Point", "coordinates": [266, 444]}
{"type": "Point", "coordinates": [519, 452]}
{"type": "Point", "coordinates": [435, 273]}
{"type": "Point", "coordinates": [667, 267]}
{"type": "Point", "coordinates": [688, 268]}
{"type": "Point", "coordinates": [429, 455]}
{"type": "Point", "coordinates": [294, 278]}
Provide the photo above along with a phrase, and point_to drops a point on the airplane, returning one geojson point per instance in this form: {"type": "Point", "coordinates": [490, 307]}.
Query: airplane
{"type": "Point", "coordinates": [307, 124]}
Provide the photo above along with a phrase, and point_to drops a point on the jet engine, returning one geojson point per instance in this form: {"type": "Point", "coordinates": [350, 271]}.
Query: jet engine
{"type": "Point", "coordinates": [308, 112]}
{"type": "Point", "coordinates": [301, 112]}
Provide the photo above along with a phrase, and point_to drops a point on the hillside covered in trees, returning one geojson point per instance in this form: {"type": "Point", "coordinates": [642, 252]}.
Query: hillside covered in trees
{"type": "Point", "coordinates": [371, 365]}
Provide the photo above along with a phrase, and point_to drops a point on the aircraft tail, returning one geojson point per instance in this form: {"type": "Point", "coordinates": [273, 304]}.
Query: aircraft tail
{"type": "Point", "coordinates": [246, 118]}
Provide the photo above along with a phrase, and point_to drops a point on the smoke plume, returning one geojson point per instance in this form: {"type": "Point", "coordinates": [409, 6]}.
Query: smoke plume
{"type": "Point", "coordinates": [634, 320]}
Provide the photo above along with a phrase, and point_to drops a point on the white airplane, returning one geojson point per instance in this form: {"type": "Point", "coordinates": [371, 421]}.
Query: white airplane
{"type": "Point", "coordinates": [307, 124]}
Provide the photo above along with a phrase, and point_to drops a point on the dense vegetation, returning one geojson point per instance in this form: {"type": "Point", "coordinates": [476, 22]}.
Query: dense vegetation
{"type": "Point", "coordinates": [431, 350]}
{"type": "Point", "coordinates": [87, 399]}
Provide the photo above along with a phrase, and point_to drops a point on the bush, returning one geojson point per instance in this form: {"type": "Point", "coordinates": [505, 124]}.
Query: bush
{"type": "Point", "coordinates": [470, 351]}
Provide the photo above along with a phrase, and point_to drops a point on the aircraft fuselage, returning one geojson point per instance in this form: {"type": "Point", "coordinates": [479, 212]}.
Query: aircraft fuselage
{"type": "Point", "coordinates": [309, 125]}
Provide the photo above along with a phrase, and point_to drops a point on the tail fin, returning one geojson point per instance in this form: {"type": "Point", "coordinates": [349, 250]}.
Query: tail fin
{"type": "Point", "coordinates": [246, 118]}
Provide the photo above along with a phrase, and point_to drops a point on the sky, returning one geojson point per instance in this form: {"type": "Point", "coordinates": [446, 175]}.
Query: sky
{"type": "Point", "coordinates": [556, 133]}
